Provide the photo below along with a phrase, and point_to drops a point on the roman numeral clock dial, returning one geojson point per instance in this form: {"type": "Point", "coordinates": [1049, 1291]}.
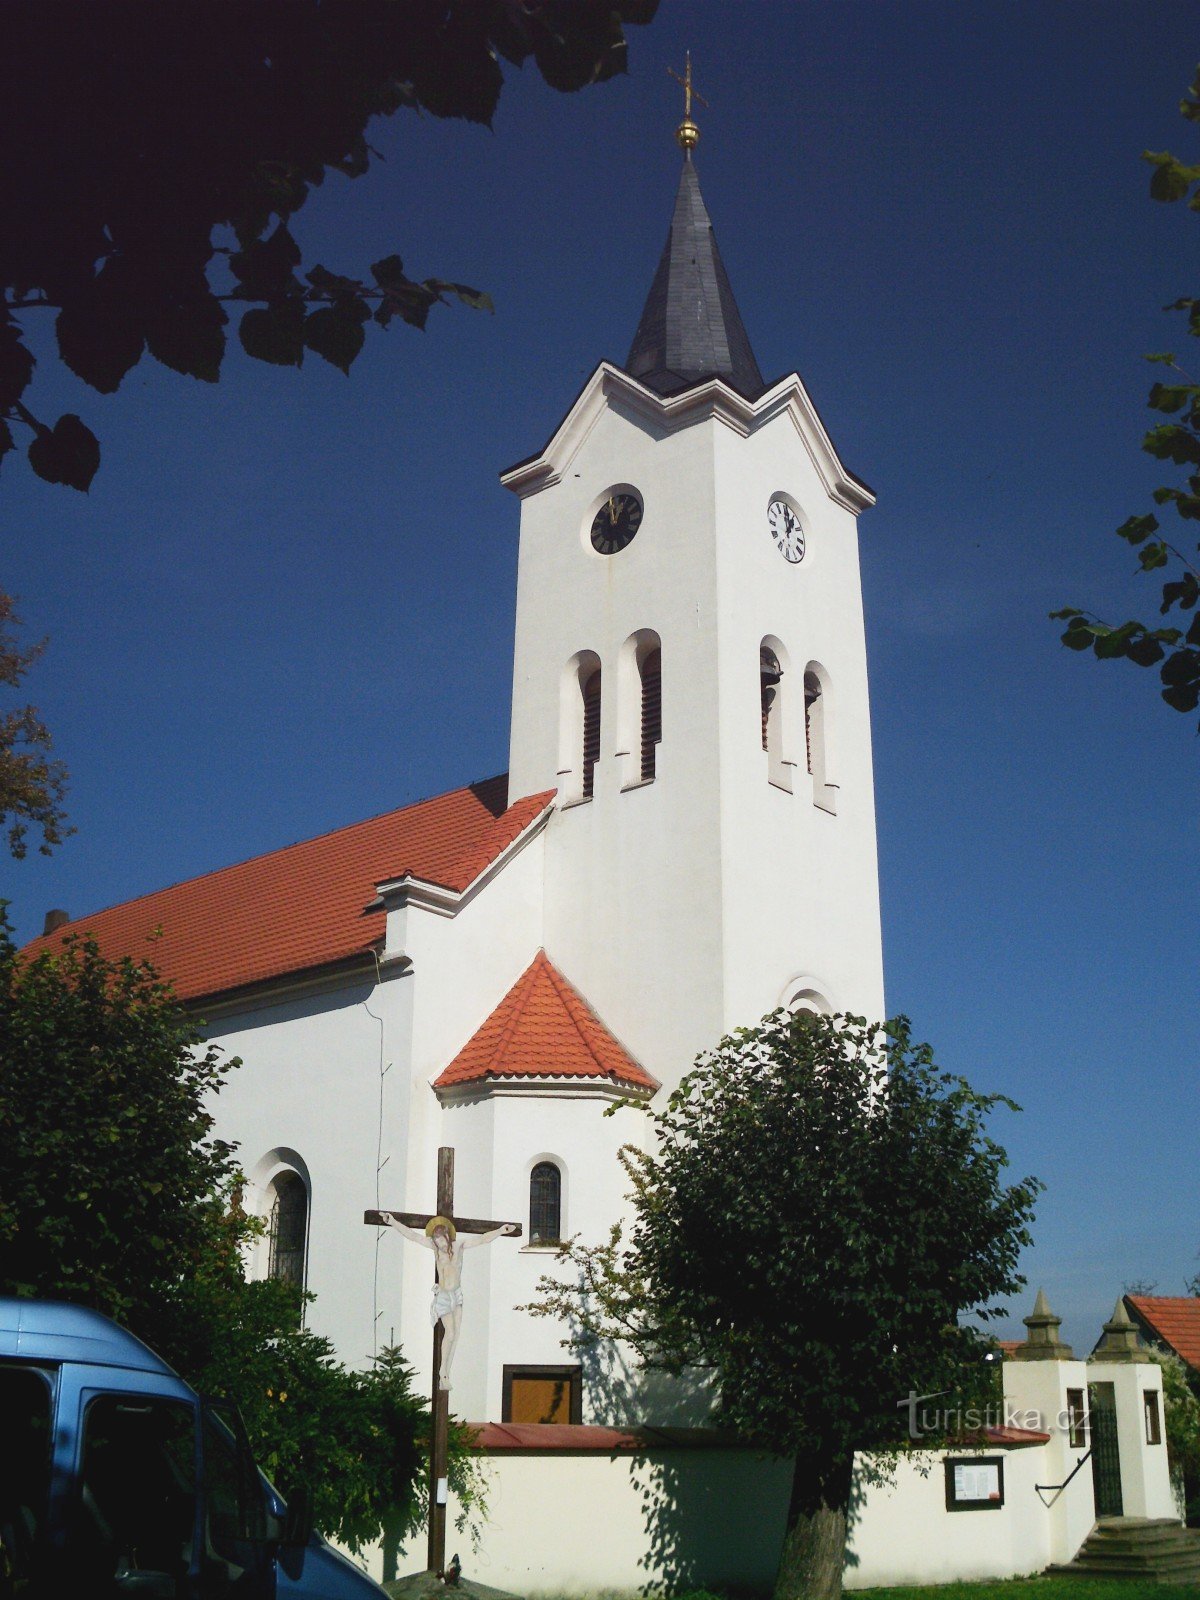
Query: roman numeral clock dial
{"type": "Point", "coordinates": [616, 522]}
{"type": "Point", "coordinates": [786, 531]}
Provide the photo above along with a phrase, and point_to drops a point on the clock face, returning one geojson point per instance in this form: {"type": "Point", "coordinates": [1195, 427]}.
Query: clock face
{"type": "Point", "coordinates": [786, 530]}
{"type": "Point", "coordinates": [616, 522]}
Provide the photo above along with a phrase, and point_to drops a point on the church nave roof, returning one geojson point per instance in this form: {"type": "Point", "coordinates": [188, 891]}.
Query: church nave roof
{"type": "Point", "coordinates": [309, 904]}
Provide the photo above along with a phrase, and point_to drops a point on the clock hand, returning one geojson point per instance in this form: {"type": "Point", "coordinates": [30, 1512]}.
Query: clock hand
{"type": "Point", "coordinates": [612, 511]}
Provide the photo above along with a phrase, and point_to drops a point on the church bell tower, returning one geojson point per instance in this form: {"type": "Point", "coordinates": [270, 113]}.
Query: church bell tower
{"type": "Point", "coordinates": [690, 676]}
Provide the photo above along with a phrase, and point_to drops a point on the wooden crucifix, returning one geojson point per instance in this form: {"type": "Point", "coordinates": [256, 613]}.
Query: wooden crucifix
{"type": "Point", "coordinates": [447, 1236]}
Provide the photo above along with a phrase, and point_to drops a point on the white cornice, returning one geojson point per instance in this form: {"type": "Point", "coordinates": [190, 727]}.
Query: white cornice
{"type": "Point", "coordinates": [565, 1088]}
{"type": "Point", "coordinates": [711, 401]}
{"type": "Point", "coordinates": [393, 894]}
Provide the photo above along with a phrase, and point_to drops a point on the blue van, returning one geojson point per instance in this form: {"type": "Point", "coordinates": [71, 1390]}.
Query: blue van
{"type": "Point", "coordinates": [117, 1479]}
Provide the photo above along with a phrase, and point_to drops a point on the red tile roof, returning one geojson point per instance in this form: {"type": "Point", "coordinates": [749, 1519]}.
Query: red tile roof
{"type": "Point", "coordinates": [1173, 1320]}
{"type": "Point", "coordinates": [306, 905]}
{"type": "Point", "coordinates": [543, 1028]}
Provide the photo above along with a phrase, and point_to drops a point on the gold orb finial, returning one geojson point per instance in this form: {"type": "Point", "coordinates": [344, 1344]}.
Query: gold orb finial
{"type": "Point", "coordinates": [687, 134]}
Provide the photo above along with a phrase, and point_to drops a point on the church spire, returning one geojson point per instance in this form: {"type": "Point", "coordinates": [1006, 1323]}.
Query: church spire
{"type": "Point", "coordinates": [690, 327]}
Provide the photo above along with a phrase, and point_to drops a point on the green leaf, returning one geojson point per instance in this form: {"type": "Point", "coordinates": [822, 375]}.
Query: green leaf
{"type": "Point", "coordinates": [335, 335]}
{"type": "Point", "coordinates": [1171, 179]}
{"type": "Point", "coordinates": [265, 268]}
{"type": "Point", "coordinates": [1065, 613]}
{"type": "Point", "coordinates": [1172, 397]}
{"type": "Point", "coordinates": [1145, 651]}
{"type": "Point", "coordinates": [1166, 358]}
{"type": "Point", "coordinates": [477, 299]}
{"type": "Point", "coordinates": [1154, 555]}
{"type": "Point", "coordinates": [16, 365]}
{"type": "Point", "coordinates": [189, 336]}
{"type": "Point", "coordinates": [1078, 638]}
{"type": "Point", "coordinates": [7, 442]}
{"type": "Point", "coordinates": [1135, 529]}
{"type": "Point", "coordinates": [68, 453]}
{"type": "Point", "coordinates": [275, 333]}
{"type": "Point", "coordinates": [1171, 442]}
{"type": "Point", "coordinates": [389, 272]}
{"type": "Point", "coordinates": [100, 329]}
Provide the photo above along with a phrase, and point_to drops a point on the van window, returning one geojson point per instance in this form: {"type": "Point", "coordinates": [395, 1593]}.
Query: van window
{"type": "Point", "coordinates": [24, 1472]}
{"type": "Point", "coordinates": [137, 1498]}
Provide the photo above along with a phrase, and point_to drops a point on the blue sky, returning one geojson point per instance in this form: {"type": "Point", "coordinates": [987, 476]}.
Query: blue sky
{"type": "Point", "coordinates": [287, 602]}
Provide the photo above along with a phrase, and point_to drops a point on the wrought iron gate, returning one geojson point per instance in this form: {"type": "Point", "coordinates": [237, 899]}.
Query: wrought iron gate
{"type": "Point", "coordinates": [1106, 1458]}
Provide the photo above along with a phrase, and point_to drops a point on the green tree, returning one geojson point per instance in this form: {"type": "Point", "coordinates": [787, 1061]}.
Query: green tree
{"type": "Point", "coordinates": [1181, 1407]}
{"type": "Point", "coordinates": [114, 1194]}
{"type": "Point", "coordinates": [32, 785]}
{"type": "Point", "coordinates": [821, 1208]}
{"type": "Point", "coordinates": [1175, 650]}
{"type": "Point", "coordinates": [156, 154]}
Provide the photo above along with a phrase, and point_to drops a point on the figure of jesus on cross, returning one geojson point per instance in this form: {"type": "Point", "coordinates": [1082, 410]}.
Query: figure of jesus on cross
{"type": "Point", "coordinates": [441, 1236]}
{"type": "Point", "coordinates": [447, 1236]}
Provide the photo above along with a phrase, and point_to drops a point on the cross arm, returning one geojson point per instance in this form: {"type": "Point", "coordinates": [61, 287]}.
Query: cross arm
{"type": "Point", "coordinates": [413, 1219]}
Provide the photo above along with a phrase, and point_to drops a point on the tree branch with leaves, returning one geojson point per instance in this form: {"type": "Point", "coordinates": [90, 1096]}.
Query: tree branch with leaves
{"type": "Point", "coordinates": [1175, 650]}
{"type": "Point", "coordinates": [137, 137]}
{"type": "Point", "coordinates": [32, 784]}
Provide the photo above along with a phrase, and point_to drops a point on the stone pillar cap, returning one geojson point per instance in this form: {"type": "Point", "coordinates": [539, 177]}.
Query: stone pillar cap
{"type": "Point", "coordinates": [1121, 1340]}
{"type": "Point", "coordinates": [1042, 1342]}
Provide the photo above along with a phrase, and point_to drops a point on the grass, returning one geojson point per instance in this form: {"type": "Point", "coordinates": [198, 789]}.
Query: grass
{"type": "Point", "coordinates": [1036, 1589]}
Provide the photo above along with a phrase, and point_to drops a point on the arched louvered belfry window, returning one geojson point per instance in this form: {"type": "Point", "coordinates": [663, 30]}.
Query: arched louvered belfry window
{"type": "Point", "coordinates": [289, 1229]}
{"type": "Point", "coordinates": [545, 1204]}
{"type": "Point", "coordinates": [812, 716]}
{"type": "Point", "coordinates": [590, 689]}
{"type": "Point", "coordinates": [770, 675]}
{"type": "Point", "coordinates": [651, 676]}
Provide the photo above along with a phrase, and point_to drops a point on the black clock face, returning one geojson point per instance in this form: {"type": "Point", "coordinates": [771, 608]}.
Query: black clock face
{"type": "Point", "coordinates": [616, 522]}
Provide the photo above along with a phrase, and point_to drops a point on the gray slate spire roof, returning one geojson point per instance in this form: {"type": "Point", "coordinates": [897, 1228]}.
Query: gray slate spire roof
{"type": "Point", "coordinates": [691, 328]}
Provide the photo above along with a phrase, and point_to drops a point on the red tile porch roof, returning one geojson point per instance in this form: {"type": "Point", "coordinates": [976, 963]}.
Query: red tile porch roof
{"type": "Point", "coordinates": [1173, 1320]}
{"type": "Point", "coordinates": [305, 906]}
{"type": "Point", "coordinates": [543, 1028]}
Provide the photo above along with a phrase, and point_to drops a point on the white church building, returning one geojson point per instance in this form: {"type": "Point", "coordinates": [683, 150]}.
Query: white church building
{"type": "Point", "coordinates": [684, 841]}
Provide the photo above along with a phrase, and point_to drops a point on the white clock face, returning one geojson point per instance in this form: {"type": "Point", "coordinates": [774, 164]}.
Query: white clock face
{"type": "Point", "coordinates": [786, 530]}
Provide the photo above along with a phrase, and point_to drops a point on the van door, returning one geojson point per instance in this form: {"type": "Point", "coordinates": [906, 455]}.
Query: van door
{"type": "Point", "coordinates": [26, 1395]}
{"type": "Point", "coordinates": [133, 1528]}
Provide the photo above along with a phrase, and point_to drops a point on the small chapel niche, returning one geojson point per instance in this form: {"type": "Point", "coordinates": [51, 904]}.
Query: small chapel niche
{"type": "Point", "coordinates": [579, 727]}
{"type": "Point", "coordinates": [639, 708]}
{"type": "Point", "coordinates": [816, 736]}
{"type": "Point", "coordinates": [774, 710]}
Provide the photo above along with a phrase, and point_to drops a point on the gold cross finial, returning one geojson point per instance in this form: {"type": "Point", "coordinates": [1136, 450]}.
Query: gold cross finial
{"type": "Point", "coordinates": [687, 133]}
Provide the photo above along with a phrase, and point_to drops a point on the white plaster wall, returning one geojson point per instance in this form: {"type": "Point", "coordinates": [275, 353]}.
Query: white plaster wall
{"type": "Point", "coordinates": [562, 1524]}
{"type": "Point", "coordinates": [1145, 1478]}
{"type": "Point", "coordinates": [462, 967]}
{"type": "Point", "coordinates": [800, 887]}
{"type": "Point", "coordinates": [632, 878]}
{"type": "Point", "coordinates": [903, 1533]}
{"type": "Point", "coordinates": [498, 1138]}
{"type": "Point", "coordinates": [1036, 1395]}
{"type": "Point", "coordinates": [684, 908]}
{"type": "Point", "coordinates": [711, 1519]}
{"type": "Point", "coordinates": [310, 1082]}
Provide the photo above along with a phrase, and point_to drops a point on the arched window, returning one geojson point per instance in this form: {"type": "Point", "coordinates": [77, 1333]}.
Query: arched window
{"type": "Point", "coordinates": [816, 735]}
{"type": "Point", "coordinates": [590, 689]}
{"type": "Point", "coordinates": [289, 1229]}
{"type": "Point", "coordinates": [651, 676]}
{"type": "Point", "coordinates": [812, 714]}
{"type": "Point", "coordinates": [770, 676]}
{"type": "Point", "coordinates": [545, 1203]}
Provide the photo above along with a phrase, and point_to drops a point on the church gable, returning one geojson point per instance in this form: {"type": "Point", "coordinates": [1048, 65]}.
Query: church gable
{"type": "Point", "coordinates": [543, 1028]}
{"type": "Point", "coordinates": [310, 904]}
